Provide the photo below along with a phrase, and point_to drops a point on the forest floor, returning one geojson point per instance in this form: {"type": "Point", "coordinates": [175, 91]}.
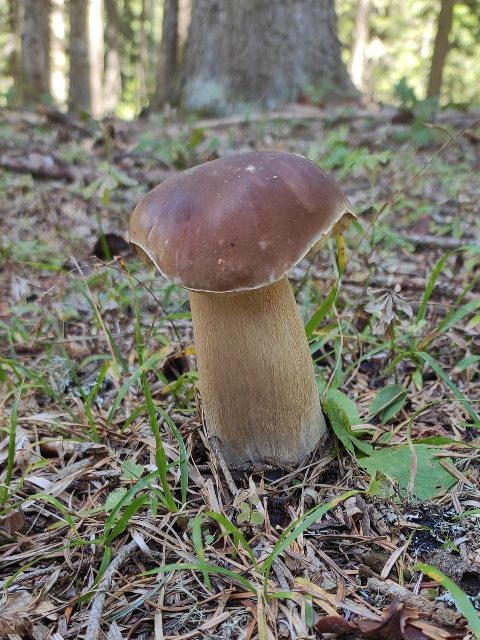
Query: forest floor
{"type": "Point", "coordinates": [105, 528]}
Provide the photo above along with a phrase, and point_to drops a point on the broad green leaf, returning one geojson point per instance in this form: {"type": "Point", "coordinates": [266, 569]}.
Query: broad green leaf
{"type": "Point", "coordinates": [388, 402]}
{"type": "Point", "coordinates": [114, 498]}
{"type": "Point", "coordinates": [346, 403]}
{"type": "Point", "coordinates": [381, 485]}
{"type": "Point", "coordinates": [131, 470]}
{"type": "Point", "coordinates": [341, 426]}
{"type": "Point", "coordinates": [396, 463]}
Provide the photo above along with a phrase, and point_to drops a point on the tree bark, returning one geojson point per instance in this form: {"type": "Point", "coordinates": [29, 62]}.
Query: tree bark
{"type": "Point", "coordinates": [35, 33]}
{"type": "Point", "coordinates": [113, 78]}
{"type": "Point", "coordinates": [184, 16]}
{"type": "Point", "coordinates": [143, 61]}
{"type": "Point", "coordinates": [360, 40]}
{"type": "Point", "coordinates": [79, 95]}
{"type": "Point", "coordinates": [12, 52]}
{"type": "Point", "coordinates": [86, 56]}
{"type": "Point", "coordinates": [96, 52]}
{"type": "Point", "coordinates": [58, 79]}
{"type": "Point", "coordinates": [261, 51]}
{"type": "Point", "coordinates": [167, 60]}
{"type": "Point", "coordinates": [440, 48]}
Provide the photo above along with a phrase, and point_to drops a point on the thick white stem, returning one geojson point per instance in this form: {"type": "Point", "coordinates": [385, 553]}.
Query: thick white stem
{"type": "Point", "coordinates": [256, 376]}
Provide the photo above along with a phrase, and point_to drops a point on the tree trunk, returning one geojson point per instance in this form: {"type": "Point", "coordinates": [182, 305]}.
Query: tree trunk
{"type": "Point", "coordinates": [167, 61]}
{"type": "Point", "coordinates": [184, 15]}
{"type": "Point", "coordinates": [86, 56]}
{"type": "Point", "coordinates": [360, 40]}
{"type": "Point", "coordinates": [35, 30]}
{"type": "Point", "coordinates": [113, 79]}
{"type": "Point", "coordinates": [261, 51]}
{"type": "Point", "coordinates": [12, 52]}
{"type": "Point", "coordinates": [96, 52]}
{"type": "Point", "coordinates": [440, 48]}
{"type": "Point", "coordinates": [58, 79]}
{"type": "Point", "coordinates": [143, 61]}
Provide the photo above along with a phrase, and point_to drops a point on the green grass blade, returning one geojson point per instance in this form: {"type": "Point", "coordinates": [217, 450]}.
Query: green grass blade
{"type": "Point", "coordinates": [91, 397]}
{"type": "Point", "coordinates": [321, 312]}
{"type": "Point", "coordinates": [430, 285]}
{"type": "Point", "coordinates": [183, 460]}
{"type": "Point", "coordinates": [160, 456]}
{"type": "Point", "coordinates": [199, 548]}
{"type": "Point", "coordinates": [292, 532]}
{"type": "Point", "coordinates": [462, 601]}
{"type": "Point", "coordinates": [12, 436]}
{"type": "Point", "coordinates": [236, 534]}
{"type": "Point", "coordinates": [44, 497]}
{"type": "Point", "coordinates": [40, 382]}
{"type": "Point", "coordinates": [458, 314]}
{"type": "Point", "coordinates": [146, 366]}
{"type": "Point", "coordinates": [211, 568]}
{"type": "Point", "coordinates": [142, 484]}
{"type": "Point", "coordinates": [122, 523]}
{"type": "Point", "coordinates": [426, 357]}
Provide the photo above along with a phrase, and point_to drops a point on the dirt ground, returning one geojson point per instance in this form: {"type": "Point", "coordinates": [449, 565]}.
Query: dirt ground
{"type": "Point", "coordinates": [90, 541]}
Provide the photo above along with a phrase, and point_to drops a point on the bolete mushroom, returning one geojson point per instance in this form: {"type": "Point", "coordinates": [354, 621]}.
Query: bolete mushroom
{"type": "Point", "coordinates": [229, 231]}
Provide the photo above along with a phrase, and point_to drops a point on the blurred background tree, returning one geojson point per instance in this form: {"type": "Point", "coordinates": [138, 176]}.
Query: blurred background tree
{"type": "Point", "coordinates": [265, 52]}
{"type": "Point", "coordinates": [121, 56]}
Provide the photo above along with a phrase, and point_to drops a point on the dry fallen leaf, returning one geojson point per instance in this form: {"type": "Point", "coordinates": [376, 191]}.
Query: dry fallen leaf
{"type": "Point", "coordinates": [11, 523]}
{"type": "Point", "coordinates": [398, 622]}
{"type": "Point", "coordinates": [13, 614]}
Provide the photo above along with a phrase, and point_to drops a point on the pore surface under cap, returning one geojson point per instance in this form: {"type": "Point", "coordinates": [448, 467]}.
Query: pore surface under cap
{"type": "Point", "coordinates": [240, 222]}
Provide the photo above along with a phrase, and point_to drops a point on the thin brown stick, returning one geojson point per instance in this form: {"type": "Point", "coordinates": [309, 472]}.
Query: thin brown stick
{"type": "Point", "coordinates": [96, 610]}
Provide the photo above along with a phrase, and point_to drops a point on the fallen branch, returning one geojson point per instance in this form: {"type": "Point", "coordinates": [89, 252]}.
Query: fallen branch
{"type": "Point", "coordinates": [439, 242]}
{"type": "Point", "coordinates": [394, 591]}
{"type": "Point", "coordinates": [38, 165]}
{"type": "Point", "coordinates": [96, 610]}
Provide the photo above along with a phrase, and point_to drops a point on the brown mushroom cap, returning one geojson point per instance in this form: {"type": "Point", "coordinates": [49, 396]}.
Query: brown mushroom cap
{"type": "Point", "coordinates": [237, 223]}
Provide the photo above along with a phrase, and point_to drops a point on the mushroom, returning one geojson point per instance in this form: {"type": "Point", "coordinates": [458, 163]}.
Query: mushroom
{"type": "Point", "coordinates": [229, 231]}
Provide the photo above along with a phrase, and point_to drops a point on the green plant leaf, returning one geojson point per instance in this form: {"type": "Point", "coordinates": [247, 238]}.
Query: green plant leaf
{"type": "Point", "coordinates": [346, 403]}
{"type": "Point", "coordinates": [462, 601]}
{"type": "Point", "coordinates": [237, 535]}
{"type": "Point", "coordinates": [396, 463]}
{"type": "Point", "coordinates": [341, 426]}
{"type": "Point", "coordinates": [114, 498]}
{"type": "Point", "coordinates": [295, 529]}
{"type": "Point", "coordinates": [381, 485]}
{"type": "Point", "coordinates": [321, 312]}
{"type": "Point", "coordinates": [426, 357]}
{"type": "Point", "coordinates": [430, 286]}
{"type": "Point", "coordinates": [211, 568]}
{"type": "Point", "coordinates": [388, 402]}
{"type": "Point", "coordinates": [131, 470]}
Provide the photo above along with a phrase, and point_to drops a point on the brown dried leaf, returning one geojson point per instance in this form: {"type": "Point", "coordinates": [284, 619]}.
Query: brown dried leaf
{"type": "Point", "coordinates": [12, 523]}
{"type": "Point", "coordinates": [398, 622]}
{"type": "Point", "coordinates": [13, 615]}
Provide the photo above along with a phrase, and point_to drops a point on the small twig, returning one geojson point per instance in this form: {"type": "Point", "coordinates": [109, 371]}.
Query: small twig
{"type": "Point", "coordinates": [96, 610]}
{"type": "Point", "coordinates": [396, 592]}
{"type": "Point", "coordinates": [440, 242]}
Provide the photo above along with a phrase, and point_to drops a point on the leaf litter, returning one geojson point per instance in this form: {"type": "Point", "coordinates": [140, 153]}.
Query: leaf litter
{"type": "Point", "coordinates": [84, 521]}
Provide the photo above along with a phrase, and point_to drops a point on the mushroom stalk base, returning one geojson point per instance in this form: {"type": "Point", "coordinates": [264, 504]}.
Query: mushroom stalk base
{"type": "Point", "coordinates": [257, 380]}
